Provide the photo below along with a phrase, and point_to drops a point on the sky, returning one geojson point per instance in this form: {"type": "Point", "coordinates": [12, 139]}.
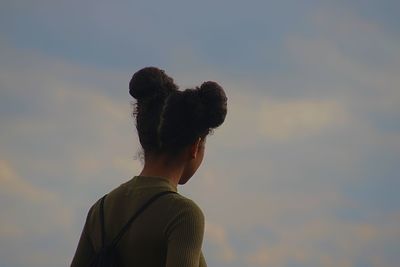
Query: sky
{"type": "Point", "coordinates": [303, 172]}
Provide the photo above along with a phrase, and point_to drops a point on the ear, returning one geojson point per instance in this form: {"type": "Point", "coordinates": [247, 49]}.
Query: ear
{"type": "Point", "coordinates": [194, 148]}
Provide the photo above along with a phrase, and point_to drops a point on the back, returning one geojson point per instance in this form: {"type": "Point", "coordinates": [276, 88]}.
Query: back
{"type": "Point", "coordinates": [168, 233]}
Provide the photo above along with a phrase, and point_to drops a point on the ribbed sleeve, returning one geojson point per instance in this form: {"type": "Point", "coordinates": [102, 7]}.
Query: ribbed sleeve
{"type": "Point", "coordinates": [185, 236]}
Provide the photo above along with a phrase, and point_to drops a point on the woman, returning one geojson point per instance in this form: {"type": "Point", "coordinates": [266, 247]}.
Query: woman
{"type": "Point", "coordinates": [172, 126]}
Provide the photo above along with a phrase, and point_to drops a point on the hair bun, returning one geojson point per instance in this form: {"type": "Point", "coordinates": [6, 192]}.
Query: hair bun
{"type": "Point", "coordinates": [150, 82]}
{"type": "Point", "coordinates": [214, 100]}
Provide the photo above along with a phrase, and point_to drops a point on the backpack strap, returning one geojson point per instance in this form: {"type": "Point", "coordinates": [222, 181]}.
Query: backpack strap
{"type": "Point", "coordinates": [126, 226]}
{"type": "Point", "coordinates": [103, 231]}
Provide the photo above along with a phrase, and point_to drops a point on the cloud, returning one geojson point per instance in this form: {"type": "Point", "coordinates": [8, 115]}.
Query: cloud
{"type": "Point", "coordinates": [15, 186]}
{"type": "Point", "coordinates": [33, 215]}
{"type": "Point", "coordinates": [352, 58]}
{"type": "Point", "coordinates": [299, 118]}
{"type": "Point", "coordinates": [68, 115]}
{"type": "Point", "coordinates": [216, 236]}
{"type": "Point", "coordinates": [319, 242]}
{"type": "Point", "coordinates": [259, 118]}
{"type": "Point", "coordinates": [23, 195]}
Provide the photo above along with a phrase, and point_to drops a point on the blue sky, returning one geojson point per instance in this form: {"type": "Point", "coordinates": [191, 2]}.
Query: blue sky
{"type": "Point", "coordinates": [304, 171]}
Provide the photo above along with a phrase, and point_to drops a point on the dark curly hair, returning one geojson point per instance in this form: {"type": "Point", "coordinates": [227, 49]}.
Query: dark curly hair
{"type": "Point", "coordinates": [167, 120]}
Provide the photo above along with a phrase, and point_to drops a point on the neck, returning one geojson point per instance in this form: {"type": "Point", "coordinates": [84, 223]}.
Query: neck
{"type": "Point", "coordinates": [163, 166]}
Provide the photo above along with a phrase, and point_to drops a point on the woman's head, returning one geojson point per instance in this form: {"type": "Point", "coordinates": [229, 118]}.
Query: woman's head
{"type": "Point", "coordinates": [169, 120]}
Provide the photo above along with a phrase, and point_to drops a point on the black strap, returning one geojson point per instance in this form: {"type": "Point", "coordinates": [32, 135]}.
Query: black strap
{"type": "Point", "coordinates": [126, 226]}
{"type": "Point", "coordinates": [103, 231]}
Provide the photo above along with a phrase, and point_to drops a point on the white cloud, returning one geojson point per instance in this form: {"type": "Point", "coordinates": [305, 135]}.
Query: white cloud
{"type": "Point", "coordinates": [299, 118]}
{"type": "Point", "coordinates": [33, 215]}
{"type": "Point", "coordinates": [216, 235]}
{"type": "Point", "coordinates": [23, 196]}
{"type": "Point", "coordinates": [15, 186]}
{"type": "Point", "coordinates": [255, 119]}
{"type": "Point", "coordinates": [90, 127]}
{"type": "Point", "coordinates": [353, 57]}
{"type": "Point", "coordinates": [319, 242]}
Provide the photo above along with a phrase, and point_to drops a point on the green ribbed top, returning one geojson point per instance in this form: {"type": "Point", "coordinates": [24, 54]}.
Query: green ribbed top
{"type": "Point", "coordinates": [168, 233]}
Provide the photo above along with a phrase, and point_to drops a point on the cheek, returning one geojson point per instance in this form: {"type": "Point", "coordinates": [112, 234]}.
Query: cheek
{"type": "Point", "coordinates": [186, 175]}
{"type": "Point", "coordinates": [192, 167]}
{"type": "Point", "coordinates": [190, 170]}
{"type": "Point", "coordinates": [201, 153]}
{"type": "Point", "coordinates": [200, 160]}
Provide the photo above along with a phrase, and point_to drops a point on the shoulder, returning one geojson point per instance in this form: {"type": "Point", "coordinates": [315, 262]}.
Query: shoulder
{"type": "Point", "coordinates": [186, 206]}
{"type": "Point", "coordinates": [184, 216]}
{"type": "Point", "coordinates": [93, 213]}
{"type": "Point", "coordinates": [185, 219]}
